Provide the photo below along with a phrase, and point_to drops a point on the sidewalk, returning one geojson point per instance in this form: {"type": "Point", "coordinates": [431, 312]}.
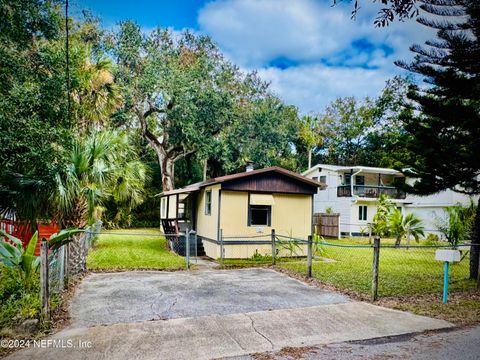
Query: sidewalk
{"type": "Point", "coordinates": [217, 336]}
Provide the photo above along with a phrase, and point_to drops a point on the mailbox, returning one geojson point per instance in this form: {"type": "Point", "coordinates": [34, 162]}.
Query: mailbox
{"type": "Point", "coordinates": [447, 255]}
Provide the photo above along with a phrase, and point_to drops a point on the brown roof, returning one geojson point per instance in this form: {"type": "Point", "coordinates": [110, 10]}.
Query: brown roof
{"type": "Point", "coordinates": [221, 179]}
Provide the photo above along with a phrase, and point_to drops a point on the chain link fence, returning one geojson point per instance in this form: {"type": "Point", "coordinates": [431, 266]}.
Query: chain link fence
{"type": "Point", "coordinates": [56, 270]}
{"type": "Point", "coordinates": [56, 265]}
{"type": "Point", "coordinates": [402, 270]}
{"type": "Point", "coordinates": [348, 264]}
{"type": "Point", "coordinates": [58, 259]}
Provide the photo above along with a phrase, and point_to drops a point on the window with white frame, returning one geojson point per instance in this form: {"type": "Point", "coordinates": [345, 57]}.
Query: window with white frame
{"type": "Point", "coordinates": [362, 213]}
{"type": "Point", "coordinates": [163, 209]}
{"type": "Point", "coordinates": [208, 202]}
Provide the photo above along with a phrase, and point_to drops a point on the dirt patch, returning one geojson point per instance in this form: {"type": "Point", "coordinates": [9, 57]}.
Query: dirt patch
{"type": "Point", "coordinates": [462, 309]}
{"type": "Point", "coordinates": [296, 352]}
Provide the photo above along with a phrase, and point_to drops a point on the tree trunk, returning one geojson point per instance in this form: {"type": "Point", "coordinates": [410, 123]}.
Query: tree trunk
{"type": "Point", "coordinates": [205, 168]}
{"type": "Point", "coordinates": [167, 167]}
{"type": "Point", "coordinates": [309, 158]}
{"type": "Point", "coordinates": [77, 253]}
{"type": "Point", "coordinates": [167, 153]}
{"type": "Point", "coordinates": [475, 250]}
{"type": "Point", "coordinates": [397, 242]}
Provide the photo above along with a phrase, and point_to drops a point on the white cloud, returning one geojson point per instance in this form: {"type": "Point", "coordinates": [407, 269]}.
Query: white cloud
{"type": "Point", "coordinates": [258, 31]}
{"type": "Point", "coordinates": [312, 87]}
{"type": "Point", "coordinates": [315, 42]}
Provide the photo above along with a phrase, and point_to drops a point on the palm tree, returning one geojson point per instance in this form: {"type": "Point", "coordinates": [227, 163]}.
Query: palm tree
{"type": "Point", "coordinates": [23, 197]}
{"type": "Point", "coordinates": [102, 166]}
{"type": "Point", "coordinates": [381, 223]}
{"type": "Point", "coordinates": [405, 226]}
{"type": "Point", "coordinates": [458, 223]}
{"type": "Point", "coordinates": [96, 95]}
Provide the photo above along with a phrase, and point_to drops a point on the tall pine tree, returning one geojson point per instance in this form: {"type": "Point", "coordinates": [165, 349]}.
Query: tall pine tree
{"type": "Point", "coordinates": [443, 145]}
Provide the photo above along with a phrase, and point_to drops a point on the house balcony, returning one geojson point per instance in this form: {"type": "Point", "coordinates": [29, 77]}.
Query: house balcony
{"type": "Point", "coordinates": [370, 191]}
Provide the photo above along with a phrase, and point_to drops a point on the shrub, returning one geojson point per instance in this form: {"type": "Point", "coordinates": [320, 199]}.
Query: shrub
{"type": "Point", "coordinates": [259, 257]}
{"type": "Point", "coordinates": [17, 302]}
{"type": "Point", "coordinates": [432, 239]}
{"type": "Point", "coordinates": [456, 225]}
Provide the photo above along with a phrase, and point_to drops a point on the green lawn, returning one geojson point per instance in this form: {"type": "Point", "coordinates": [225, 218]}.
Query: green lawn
{"type": "Point", "coordinates": [401, 271]}
{"type": "Point", "coordinates": [129, 252]}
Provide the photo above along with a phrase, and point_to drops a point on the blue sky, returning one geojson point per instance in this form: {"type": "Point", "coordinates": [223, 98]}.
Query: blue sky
{"type": "Point", "coordinates": [308, 50]}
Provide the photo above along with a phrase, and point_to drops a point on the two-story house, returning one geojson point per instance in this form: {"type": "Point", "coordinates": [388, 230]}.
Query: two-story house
{"type": "Point", "coordinates": [353, 191]}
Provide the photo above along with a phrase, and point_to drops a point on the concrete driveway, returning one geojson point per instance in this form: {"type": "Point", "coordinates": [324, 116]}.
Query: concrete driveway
{"type": "Point", "coordinates": [212, 314]}
{"type": "Point", "coordinates": [112, 298]}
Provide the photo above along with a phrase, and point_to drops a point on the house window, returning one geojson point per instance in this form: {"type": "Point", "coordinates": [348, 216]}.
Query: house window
{"type": "Point", "coordinates": [259, 215]}
{"type": "Point", "coordinates": [164, 208]}
{"type": "Point", "coordinates": [323, 179]}
{"type": "Point", "coordinates": [208, 202]}
{"type": "Point", "coordinates": [362, 213]}
{"type": "Point", "coordinates": [360, 180]}
{"type": "Point", "coordinates": [348, 179]}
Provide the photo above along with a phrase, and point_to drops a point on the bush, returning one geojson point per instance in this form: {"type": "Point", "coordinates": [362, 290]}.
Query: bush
{"type": "Point", "coordinates": [432, 239]}
{"type": "Point", "coordinates": [259, 257]}
{"type": "Point", "coordinates": [18, 304]}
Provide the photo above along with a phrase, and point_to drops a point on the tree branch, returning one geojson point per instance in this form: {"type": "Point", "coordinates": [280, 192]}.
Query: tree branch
{"type": "Point", "coordinates": [147, 134]}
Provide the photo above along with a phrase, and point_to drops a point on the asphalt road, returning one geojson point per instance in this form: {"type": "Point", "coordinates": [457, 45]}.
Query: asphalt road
{"type": "Point", "coordinates": [455, 344]}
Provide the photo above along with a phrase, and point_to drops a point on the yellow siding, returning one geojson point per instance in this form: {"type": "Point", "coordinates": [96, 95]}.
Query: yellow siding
{"type": "Point", "coordinates": [247, 251]}
{"type": "Point", "coordinates": [207, 225]}
{"type": "Point", "coordinates": [234, 214]}
{"type": "Point", "coordinates": [291, 216]}
{"type": "Point", "coordinates": [211, 250]}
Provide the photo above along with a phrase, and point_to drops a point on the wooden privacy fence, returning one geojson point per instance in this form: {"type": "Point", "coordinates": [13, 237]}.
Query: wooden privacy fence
{"type": "Point", "coordinates": [327, 225]}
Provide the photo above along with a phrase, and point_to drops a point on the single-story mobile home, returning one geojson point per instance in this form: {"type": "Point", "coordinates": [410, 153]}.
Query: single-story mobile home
{"type": "Point", "coordinates": [245, 205]}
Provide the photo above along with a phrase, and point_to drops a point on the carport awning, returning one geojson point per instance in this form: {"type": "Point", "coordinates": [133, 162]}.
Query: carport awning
{"type": "Point", "coordinates": [261, 199]}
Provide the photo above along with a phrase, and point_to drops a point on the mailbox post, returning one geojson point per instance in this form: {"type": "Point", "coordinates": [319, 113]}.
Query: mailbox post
{"type": "Point", "coordinates": [447, 256]}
